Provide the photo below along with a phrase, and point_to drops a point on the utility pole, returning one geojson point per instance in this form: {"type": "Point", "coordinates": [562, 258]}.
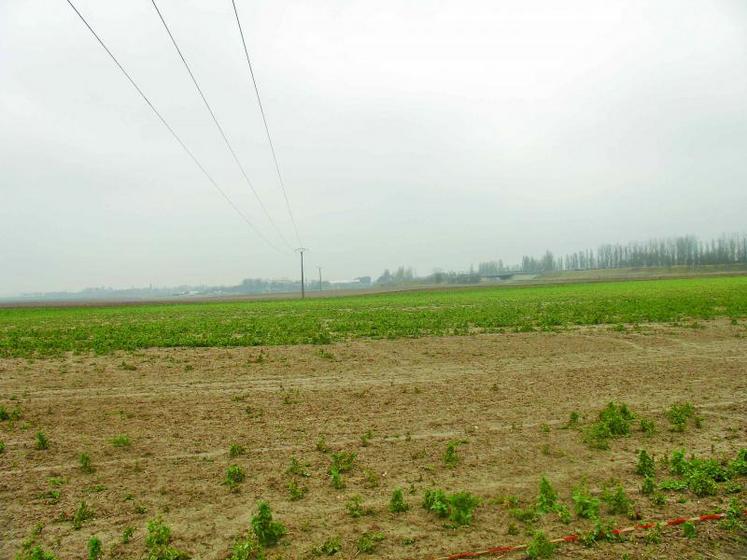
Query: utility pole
{"type": "Point", "coordinates": [303, 288]}
{"type": "Point", "coordinates": [320, 278]}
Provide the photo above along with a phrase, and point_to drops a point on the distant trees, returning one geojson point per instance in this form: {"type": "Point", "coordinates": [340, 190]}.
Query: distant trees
{"type": "Point", "coordinates": [401, 276]}
{"type": "Point", "coordinates": [675, 251]}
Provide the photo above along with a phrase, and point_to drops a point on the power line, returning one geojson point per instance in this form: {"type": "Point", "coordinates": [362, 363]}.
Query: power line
{"type": "Point", "coordinates": [218, 125]}
{"type": "Point", "coordinates": [173, 133]}
{"type": "Point", "coordinates": [267, 128]}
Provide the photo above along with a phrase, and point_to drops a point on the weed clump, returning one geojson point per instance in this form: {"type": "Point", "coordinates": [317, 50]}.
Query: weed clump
{"type": "Point", "coordinates": [647, 427]}
{"type": "Point", "coordinates": [540, 546]}
{"type": "Point", "coordinates": [397, 504]}
{"type": "Point", "coordinates": [158, 542]}
{"type": "Point", "coordinates": [616, 500]}
{"type": "Point", "coordinates": [341, 462]}
{"type": "Point", "coordinates": [330, 547]}
{"type": "Point", "coordinates": [235, 475]}
{"type": "Point", "coordinates": [458, 507]}
{"type": "Point", "coordinates": [451, 456]}
{"type": "Point", "coordinates": [649, 486]}
{"type": "Point", "coordinates": [296, 491]}
{"type": "Point", "coordinates": [548, 497]}
{"type": "Point", "coordinates": [236, 450]}
{"type": "Point", "coordinates": [700, 476]}
{"type": "Point", "coordinates": [646, 466]}
{"type": "Point", "coordinates": [355, 507]}
{"type": "Point", "coordinates": [584, 504]}
{"type": "Point", "coordinates": [267, 531]}
{"type": "Point", "coordinates": [437, 502]}
{"type": "Point", "coordinates": [688, 530]}
{"type": "Point", "coordinates": [368, 542]}
{"type": "Point", "coordinates": [81, 515]}
{"type": "Point", "coordinates": [246, 548]}
{"type": "Point", "coordinates": [614, 421]}
{"type": "Point", "coordinates": [297, 468]}
{"type": "Point", "coordinates": [678, 415]}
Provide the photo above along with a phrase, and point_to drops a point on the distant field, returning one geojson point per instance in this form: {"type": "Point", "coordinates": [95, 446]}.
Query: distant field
{"type": "Point", "coordinates": [27, 332]}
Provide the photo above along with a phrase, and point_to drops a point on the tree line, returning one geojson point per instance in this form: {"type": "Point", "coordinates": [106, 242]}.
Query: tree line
{"type": "Point", "coordinates": [686, 250]}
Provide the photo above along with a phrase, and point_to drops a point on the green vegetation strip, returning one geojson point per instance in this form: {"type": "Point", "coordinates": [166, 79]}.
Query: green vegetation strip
{"type": "Point", "coordinates": [38, 332]}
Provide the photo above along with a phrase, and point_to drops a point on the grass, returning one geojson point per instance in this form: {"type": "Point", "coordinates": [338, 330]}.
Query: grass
{"type": "Point", "coordinates": [42, 441]}
{"type": "Point", "coordinates": [38, 331]}
{"type": "Point", "coordinates": [82, 514]}
{"type": "Point", "coordinates": [95, 548]}
{"type": "Point", "coordinates": [235, 450]}
{"type": "Point", "coordinates": [84, 462]}
{"type": "Point", "coordinates": [121, 440]}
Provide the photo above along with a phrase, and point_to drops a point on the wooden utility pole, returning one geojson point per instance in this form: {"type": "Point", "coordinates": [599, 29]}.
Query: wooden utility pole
{"type": "Point", "coordinates": [303, 288]}
{"type": "Point", "coordinates": [320, 278]}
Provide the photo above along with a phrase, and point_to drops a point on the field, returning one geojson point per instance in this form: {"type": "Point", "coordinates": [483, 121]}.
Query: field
{"type": "Point", "coordinates": [38, 332]}
{"type": "Point", "coordinates": [194, 413]}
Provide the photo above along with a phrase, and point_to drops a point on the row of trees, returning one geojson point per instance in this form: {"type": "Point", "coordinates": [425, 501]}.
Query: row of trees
{"type": "Point", "coordinates": [675, 251]}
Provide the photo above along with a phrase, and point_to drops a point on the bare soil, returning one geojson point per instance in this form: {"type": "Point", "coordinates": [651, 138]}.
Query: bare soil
{"type": "Point", "coordinates": [183, 408]}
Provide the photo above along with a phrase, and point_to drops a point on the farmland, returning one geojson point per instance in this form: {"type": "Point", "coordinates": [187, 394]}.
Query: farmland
{"type": "Point", "coordinates": [29, 332]}
{"type": "Point", "coordinates": [117, 419]}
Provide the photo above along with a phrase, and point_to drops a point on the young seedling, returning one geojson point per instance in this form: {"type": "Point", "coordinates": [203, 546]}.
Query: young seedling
{"type": "Point", "coordinates": [646, 465]}
{"type": "Point", "coordinates": [321, 444]}
{"type": "Point", "coordinates": [366, 438]}
{"type": "Point", "coordinates": [297, 468]}
{"type": "Point", "coordinates": [95, 548]}
{"type": "Point", "coordinates": [127, 534]}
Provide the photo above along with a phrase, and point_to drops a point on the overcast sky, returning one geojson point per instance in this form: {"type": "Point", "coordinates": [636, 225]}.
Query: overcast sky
{"type": "Point", "coordinates": [431, 134]}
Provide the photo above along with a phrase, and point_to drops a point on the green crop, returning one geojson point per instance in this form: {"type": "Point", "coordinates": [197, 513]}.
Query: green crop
{"type": "Point", "coordinates": [39, 331]}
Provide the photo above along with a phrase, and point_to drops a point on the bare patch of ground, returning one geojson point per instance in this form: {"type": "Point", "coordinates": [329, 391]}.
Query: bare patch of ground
{"type": "Point", "coordinates": [507, 396]}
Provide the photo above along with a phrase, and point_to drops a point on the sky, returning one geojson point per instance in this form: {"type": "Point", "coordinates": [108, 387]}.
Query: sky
{"type": "Point", "coordinates": [431, 134]}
